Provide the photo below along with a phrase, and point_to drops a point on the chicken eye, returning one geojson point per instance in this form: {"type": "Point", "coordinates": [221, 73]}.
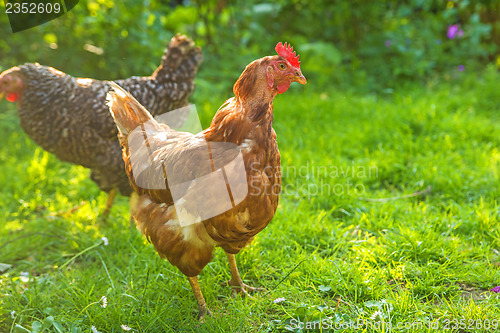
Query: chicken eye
{"type": "Point", "coordinates": [282, 65]}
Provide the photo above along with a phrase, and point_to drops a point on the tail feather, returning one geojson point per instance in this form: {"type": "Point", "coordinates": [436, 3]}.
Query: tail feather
{"type": "Point", "coordinates": [180, 60]}
{"type": "Point", "coordinates": [127, 112]}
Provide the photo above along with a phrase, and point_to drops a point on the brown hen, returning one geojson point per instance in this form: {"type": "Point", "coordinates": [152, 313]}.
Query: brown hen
{"type": "Point", "coordinates": [219, 187]}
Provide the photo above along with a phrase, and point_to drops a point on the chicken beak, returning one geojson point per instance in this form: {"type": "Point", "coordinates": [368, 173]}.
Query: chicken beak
{"type": "Point", "coordinates": [1, 95]}
{"type": "Point", "coordinates": [301, 79]}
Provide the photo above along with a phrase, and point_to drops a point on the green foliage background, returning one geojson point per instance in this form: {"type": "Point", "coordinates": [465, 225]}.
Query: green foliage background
{"type": "Point", "coordinates": [368, 44]}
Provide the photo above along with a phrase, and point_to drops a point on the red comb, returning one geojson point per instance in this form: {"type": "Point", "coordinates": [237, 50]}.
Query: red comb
{"type": "Point", "coordinates": [287, 52]}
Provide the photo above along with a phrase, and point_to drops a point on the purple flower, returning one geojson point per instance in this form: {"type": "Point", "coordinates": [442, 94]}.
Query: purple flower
{"type": "Point", "coordinates": [454, 31]}
{"type": "Point", "coordinates": [496, 289]}
{"type": "Point", "coordinates": [387, 43]}
{"type": "Point", "coordinates": [462, 68]}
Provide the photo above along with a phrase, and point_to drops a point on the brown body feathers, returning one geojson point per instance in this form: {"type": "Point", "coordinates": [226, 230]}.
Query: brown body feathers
{"type": "Point", "coordinates": [247, 130]}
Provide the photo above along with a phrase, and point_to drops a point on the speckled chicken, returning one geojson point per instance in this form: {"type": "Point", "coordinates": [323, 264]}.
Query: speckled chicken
{"type": "Point", "coordinates": [219, 187]}
{"type": "Point", "coordinates": [68, 116]}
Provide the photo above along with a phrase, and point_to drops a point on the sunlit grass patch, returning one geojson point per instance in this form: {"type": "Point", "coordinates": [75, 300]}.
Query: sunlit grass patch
{"type": "Point", "coordinates": [417, 242]}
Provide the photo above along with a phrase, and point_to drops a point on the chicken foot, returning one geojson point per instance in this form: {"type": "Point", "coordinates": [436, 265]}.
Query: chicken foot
{"type": "Point", "coordinates": [236, 283]}
{"type": "Point", "coordinates": [202, 305]}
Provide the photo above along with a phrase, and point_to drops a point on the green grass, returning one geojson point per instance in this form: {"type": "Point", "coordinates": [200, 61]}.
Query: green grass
{"type": "Point", "coordinates": [332, 251]}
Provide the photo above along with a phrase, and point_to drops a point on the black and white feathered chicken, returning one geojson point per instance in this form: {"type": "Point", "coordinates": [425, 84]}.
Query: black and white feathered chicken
{"type": "Point", "coordinates": [68, 116]}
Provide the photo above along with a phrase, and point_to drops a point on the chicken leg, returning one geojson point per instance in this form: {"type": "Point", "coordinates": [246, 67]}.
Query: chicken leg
{"type": "Point", "coordinates": [134, 198]}
{"type": "Point", "coordinates": [236, 283]}
{"type": "Point", "coordinates": [109, 202]}
{"type": "Point", "coordinates": [202, 305]}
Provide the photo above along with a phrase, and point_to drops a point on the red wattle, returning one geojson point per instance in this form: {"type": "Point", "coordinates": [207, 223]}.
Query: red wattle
{"type": "Point", "coordinates": [12, 97]}
{"type": "Point", "coordinates": [282, 87]}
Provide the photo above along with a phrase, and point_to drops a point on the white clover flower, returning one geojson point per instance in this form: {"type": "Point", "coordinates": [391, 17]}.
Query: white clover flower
{"type": "Point", "coordinates": [279, 300]}
{"type": "Point", "coordinates": [12, 314]}
{"type": "Point", "coordinates": [94, 330]}
{"type": "Point", "coordinates": [125, 327]}
{"type": "Point", "coordinates": [376, 314]}
{"type": "Point", "coordinates": [104, 301]}
{"type": "Point", "coordinates": [105, 241]}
